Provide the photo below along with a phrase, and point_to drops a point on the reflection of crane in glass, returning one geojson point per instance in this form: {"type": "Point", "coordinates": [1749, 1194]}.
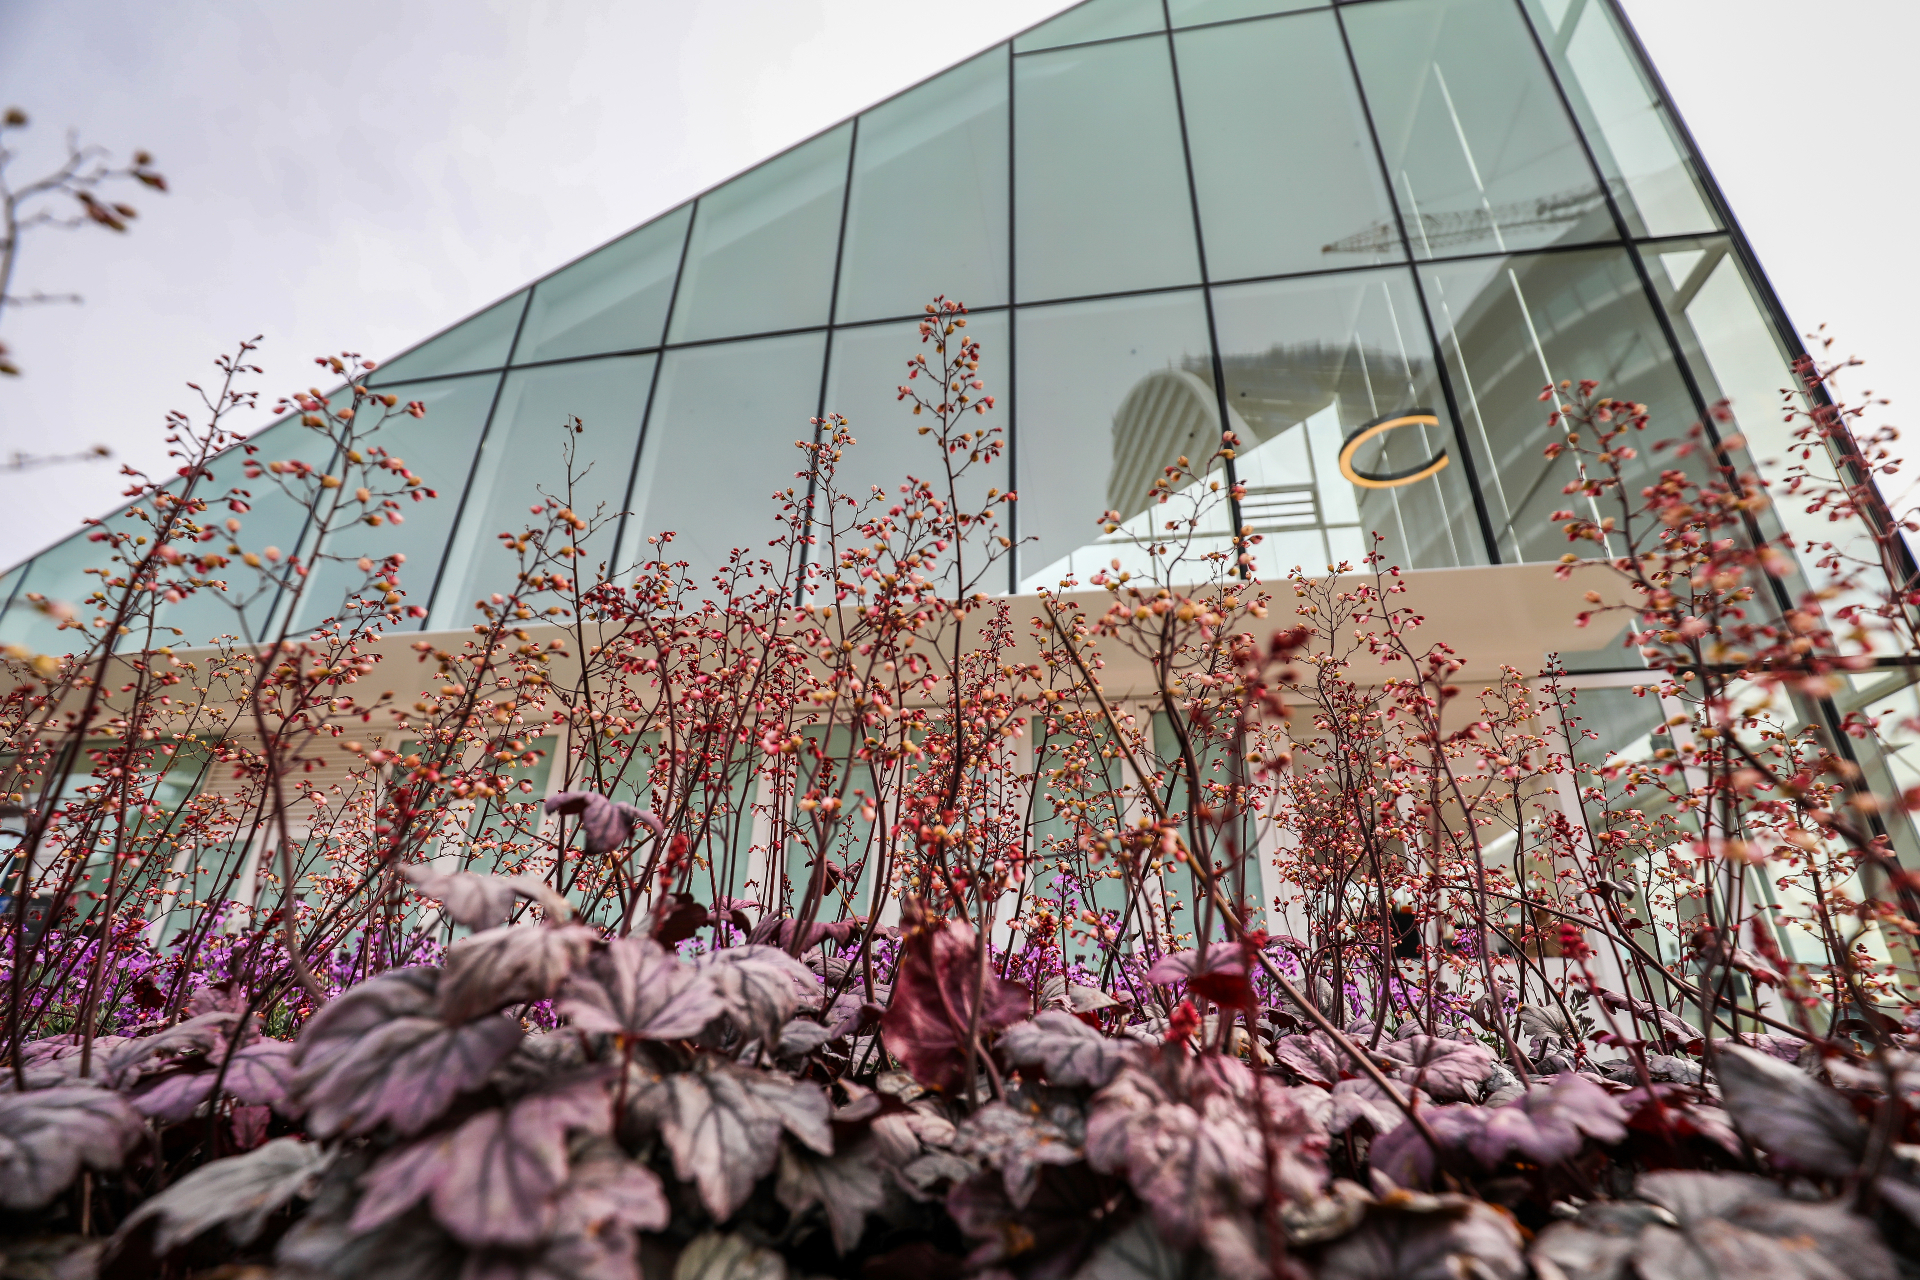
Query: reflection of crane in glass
{"type": "Point", "coordinates": [1451, 229]}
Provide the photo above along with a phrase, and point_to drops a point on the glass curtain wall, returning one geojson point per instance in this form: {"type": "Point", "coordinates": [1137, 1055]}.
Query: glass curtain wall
{"type": "Point", "coordinates": [1361, 236]}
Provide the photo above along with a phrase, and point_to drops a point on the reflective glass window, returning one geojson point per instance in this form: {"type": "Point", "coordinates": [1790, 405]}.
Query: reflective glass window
{"type": "Point", "coordinates": [522, 461]}
{"type": "Point", "coordinates": [1480, 153]}
{"type": "Point", "coordinates": [928, 212]}
{"type": "Point", "coordinates": [1736, 356]}
{"type": "Point", "coordinates": [1109, 392]}
{"type": "Point", "coordinates": [1509, 326]}
{"type": "Point", "coordinates": [438, 448]}
{"type": "Point", "coordinates": [1187, 13]}
{"type": "Point", "coordinates": [1655, 182]}
{"type": "Point", "coordinates": [59, 576]}
{"type": "Point", "coordinates": [763, 246]}
{"type": "Point", "coordinates": [1276, 196]}
{"type": "Point", "coordinates": [867, 367]}
{"type": "Point", "coordinates": [612, 300]}
{"type": "Point", "coordinates": [720, 443]}
{"type": "Point", "coordinates": [1094, 20]}
{"type": "Point", "coordinates": [277, 518]}
{"type": "Point", "coordinates": [1100, 184]}
{"type": "Point", "coordinates": [481, 342]}
{"type": "Point", "coordinates": [1311, 362]}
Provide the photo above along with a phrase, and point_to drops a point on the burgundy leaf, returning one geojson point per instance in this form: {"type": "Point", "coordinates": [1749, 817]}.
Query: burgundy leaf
{"type": "Point", "coordinates": [1403, 1155]}
{"type": "Point", "coordinates": [778, 931]}
{"type": "Point", "coordinates": [723, 1123]}
{"type": "Point", "coordinates": [678, 919]}
{"type": "Point", "coordinates": [637, 988]}
{"type": "Point", "coordinates": [47, 1135]}
{"type": "Point", "coordinates": [197, 1036]}
{"type": "Point", "coordinates": [397, 993]}
{"type": "Point", "coordinates": [513, 964]}
{"type": "Point", "coordinates": [1360, 1099]}
{"type": "Point", "coordinates": [717, 1256]}
{"type": "Point", "coordinates": [494, 1180]}
{"type": "Point", "coordinates": [1788, 1114]}
{"type": "Point", "coordinates": [1220, 977]}
{"type": "Point", "coordinates": [403, 1072]}
{"type": "Point", "coordinates": [239, 1192]}
{"type": "Point", "coordinates": [1551, 1122]}
{"type": "Point", "coordinates": [1450, 1070]}
{"type": "Point", "coordinates": [1057, 993]}
{"type": "Point", "coordinates": [1312, 1057]}
{"type": "Point", "coordinates": [847, 1187]}
{"type": "Point", "coordinates": [1067, 1049]}
{"type": "Point", "coordinates": [604, 824]}
{"type": "Point", "coordinates": [927, 1020]}
{"type": "Point", "coordinates": [760, 987]}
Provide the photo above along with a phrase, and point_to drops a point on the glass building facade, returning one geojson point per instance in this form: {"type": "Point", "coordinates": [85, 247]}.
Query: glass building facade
{"type": "Point", "coordinates": [1290, 218]}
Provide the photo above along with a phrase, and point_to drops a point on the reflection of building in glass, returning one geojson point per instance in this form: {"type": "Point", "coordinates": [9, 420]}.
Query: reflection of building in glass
{"type": "Point", "coordinates": [1297, 221]}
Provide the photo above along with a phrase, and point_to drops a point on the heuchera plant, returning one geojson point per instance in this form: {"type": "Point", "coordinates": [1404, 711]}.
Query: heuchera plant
{"type": "Point", "coordinates": [860, 929]}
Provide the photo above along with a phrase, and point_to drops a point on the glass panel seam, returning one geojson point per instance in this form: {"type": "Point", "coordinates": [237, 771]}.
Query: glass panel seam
{"type": "Point", "coordinates": [1013, 341]}
{"type": "Point", "coordinates": [1088, 44]}
{"type": "Point", "coordinates": [653, 385]}
{"type": "Point", "coordinates": [473, 469]}
{"type": "Point", "coordinates": [826, 351]}
{"type": "Point", "coordinates": [1481, 514]}
{"type": "Point", "coordinates": [1239, 569]}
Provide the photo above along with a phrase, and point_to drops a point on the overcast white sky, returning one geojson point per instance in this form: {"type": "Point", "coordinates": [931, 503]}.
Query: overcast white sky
{"type": "Point", "coordinates": [358, 173]}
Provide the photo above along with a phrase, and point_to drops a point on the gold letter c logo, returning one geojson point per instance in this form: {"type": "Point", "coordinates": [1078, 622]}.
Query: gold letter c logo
{"type": "Point", "coordinates": [1379, 426]}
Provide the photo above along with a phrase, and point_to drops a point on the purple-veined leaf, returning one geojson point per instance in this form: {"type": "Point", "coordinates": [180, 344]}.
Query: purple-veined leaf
{"type": "Point", "coordinates": [262, 1073]}
{"type": "Point", "coordinates": [403, 1072]}
{"type": "Point", "coordinates": [1357, 1100]}
{"type": "Point", "coordinates": [1420, 1237]}
{"type": "Point", "coordinates": [238, 1192]}
{"type": "Point", "coordinates": [1135, 1252]}
{"type": "Point", "coordinates": [1312, 1057]}
{"type": "Point", "coordinates": [1729, 1224]}
{"type": "Point", "coordinates": [777, 931]}
{"type": "Point", "coordinates": [723, 1123]}
{"type": "Point", "coordinates": [1450, 1070]}
{"type": "Point", "coordinates": [47, 1135]}
{"type": "Point", "coordinates": [847, 1187]}
{"type": "Point", "coordinates": [1551, 1122]}
{"type": "Point", "coordinates": [1067, 1049]}
{"type": "Point", "coordinates": [1057, 993]}
{"type": "Point", "coordinates": [1017, 1144]}
{"type": "Point", "coordinates": [926, 1022]}
{"type": "Point", "coordinates": [639, 989]}
{"type": "Point", "coordinates": [1546, 1022]}
{"type": "Point", "coordinates": [467, 897]}
{"type": "Point", "coordinates": [513, 964]}
{"type": "Point", "coordinates": [799, 1038]}
{"type": "Point", "coordinates": [174, 1096]}
{"type": "Point", "coordinates": [725, 1256]}
{"type": "Point", "coordinates": [1788, 1114]}
{"type": "Point", "coordinates": [197, 1036]}
{"type": "Point", "coordinates": [604, 824]}
{"type": "Point", "coordinates": [1403, 1154]}
{"type": "Point", "coordinates": [495, 1179]}
{"type": "Point", "coordinates": [1187, 1166]}
{"type": "Point", "coordinates": [760, 987]}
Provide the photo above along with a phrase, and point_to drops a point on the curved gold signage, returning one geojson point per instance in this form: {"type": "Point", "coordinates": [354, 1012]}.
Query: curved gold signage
{"type": "Point", "coordinates": [1379, 426]}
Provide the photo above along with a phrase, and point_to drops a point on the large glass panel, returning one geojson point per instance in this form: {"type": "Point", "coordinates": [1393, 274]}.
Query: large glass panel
{"type": "Point", "coordinates": [1655, 182]}
{"type": "Point", "coordinates": [1736, 356]}
{"type": "Point", "coordinates": [612, 300]}
{"type": "Point", "coordinates": [56, 576]}
{"type": "Point", "coordinates": [278, 518]}
{"type": "Point", "coordinates": [522, 461]}
{"type": "Point", "coordinates": [1278, 195]}
{"type": "Point", "coordinates": [1187, 13]}
{"type": "Point", "coordinates": [763, 246]}
{"type": "Point", "coordinates": [482, 342]}
{"type": "Point", "coordinates": [868, 365]}
{"type": "Point", "coordinates": [928, 213]}
{"type": "Point", "coordinates": [1508, 327]}
{"type": "Point", "coordinates": [1110, 392]}
{"type": "Point", "coordinates": [439, 449]}
{"type": "Point", "coordinates": [719, 444]}
{"type": "Point", "coordinates": [1101, 182]}
{"type": "Point", "coordinates": [1308, 364]}
{"type": "Point", "coordinates": [1094, 20]}
{"type": "Point", "coordinates": [1478, 148]}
